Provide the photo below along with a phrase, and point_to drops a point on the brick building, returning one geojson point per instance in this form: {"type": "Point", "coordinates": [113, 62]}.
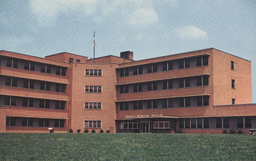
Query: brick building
{"type": "Point", "coordinates": [203, 91]}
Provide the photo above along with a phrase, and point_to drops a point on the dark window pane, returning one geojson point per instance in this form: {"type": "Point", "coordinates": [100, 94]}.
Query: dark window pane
{"type": "Point", "coordinates": [14, 82]}
{"type": "Point", "coordinates": [126, 89]}
{"type": "Point", "coordinates": [25, 83]}
{"type": "Point", "coordinates": [26, 65]}
{"type": "Point", "coordinates": [63, 88]}
{"type": "Point", "coordinates": [199, 123]}
{"type": "Point", "coordinates": [63, 71]}
{"type": "Point", "coordinates": [135, 88]}
{"type": "Point", "coordinates": [225, 122]}
{"type": "Point", "coordinates": [31, 84]}
{"type": "Point", "coordinates": [170, 84]}
{"type": "Point", "coordinates": [41, 103]}
{"type": "Point", "coordinates": [187, 123]}
{"type": "Point", "coordinates": [181, 83]}
{"type": "Point", "coordinates": [149, 68]}
{"type": "Point", "coordinates": [206, 123]}
{"type": "Point", "coordinates": [199, 101]}
{"type": "Point", "coordinates": [99, 72]}
{"type": "Point", "coordinates": [46, 123]}
{"type": "Point", "coordinates": [42, 85]}
{"type": "Point", "coordinates": [240, 122]}
{"type": "Point", "coordinates": [56, 123]}
{"type": "Point", "coordinates": [205, 60]}
{"type": "Point", "coordinates": [25, 102]}
{"type": "Point", "coordinates": [9, 62]}
{"type": "Point", "coordinates": [154, 86]}
{"type": "Point", "coordinates": [164, 84]}
{"type": "Point", "coordinates": [7, 100]}
{"type": "Point", "coordinates": [13, 101]}
{"type": "Point", "coordinates": [15, 63]}
{"type": "Point", "coordinates": [232, 65]}
{"type": "Point", "coordinates": [126, 72]}
{"type": "Point", "coordinates": [126, 107]}
{"type": "Point", "coordinates": [170, 103]}
{"type": "Point", "coordinates": [57, 88]}
{"type": "Point", "coordinates": [57, 104]}
{"type": "Point", "coordinates": [121, 89]}
{"type": "Point", "coordinates": [62, 123]}
{"type": "Point", "coordinates": [43, 68]}
{"type": "Point", "coordinates": [71, 60]}
{"type": "Point", "coordinates": [218, 122]}
{"type": "Point", "coordinates": [198, 62]}
{"type": "Point", "coordinates": [12, 121]}
{"type": "Point", "coordinates": [181, 64]}
{"type": "Point", "coordinates": [140, 70]}
{"type": "Point", "coordinates": [149, 86]}
{"type": "Point", "coordinates": [187, 102]}
{"type": "Point", "coordinates": [206, 100]}
{"type": "Point", "coordinates": [193, 123]}
{"type": "Point", "coordinates": [41, 122]}
{"type": "Point", "coordinates": [62, 105]}
{"type": "Point", "coordinates": [57, 71]}
{"type": "Point", "coordinates": [48, 86]}
{"type": "Point", "coordinates": [187, 63]}
{"type": "Point", "coordinates": [140, 105]}
{"type": "Point", "coordinates": [187, 82]}
{"type": "Point", "coordinates": [135, 71]}
{"type": "Point", "coordinates": [248, 122]}
{"type": "Point", "coordinates": [233, 83]}
{"type": "Point", "coordinates": [30, 122]}
{"type": "Point", "coordinates": [154, 68]}
{"type": "Point", "coordinates": [170, 66]}
{"type": "Point", "coordinates": [48, 69]}
{"type": "Point", "coordinates": [140, 87]}
{"type": "Point", "coordinates": [32, 67]}
{"type": "Point", "coordinates": [31, 102]}
{"type": "Point", "coordinates": [121, 108]}
{"type": "Point", "coordinates": [164, 66]}
{"type": "Point", "coordinates": [198, 81]}
{"type": "Point", "coordinates": [24, 122]}
{"type": "Point", "coordinates": [205, 80]}
{"type": "Point", "coordinates": [135, 107]}
{"type": "Point", "coordinates": [154, 103]}
{"type": "Point", "coordinates": [181, 102]}
{"type": "Point", "coordinates": [47, 104]}
{"type": "Point", "coordinates": [181, 123]}
{"type": "Point", "coordinates": [149, 104]}
{"type": "Point", "coordinates": [121, 72]}
{"type": "Point", "coordinates": [8, 81]}
{"type": "Point", "coordinates": [165, 103]}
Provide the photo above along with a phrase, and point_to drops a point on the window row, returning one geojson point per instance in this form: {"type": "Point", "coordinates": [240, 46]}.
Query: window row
{"type": "Point", "coordinates": [165, 84]}
{"type": "Point", "coordinates": [92, 124]}
{"type": "Point", "coordinates": [165, 103]}
{"type": "Point", "coordinates": [95, 89]}
{"type": "Point", "coordinates": [34, 122]}
{"type": "Point", "coordinates": [32, 66]}
{"type": "Point", "coordinates": [161, 125]}
{"type": "Point", "coordinates": [32, 102]}
{"type": "Point", "coordinates": [71, 60]}
{"type": "Point", "coordinates": [92, 105]}
{"type": "Point", "coordinates": [165, 66]}
{"type": "Point", "coordinates": [220, 122]}
{"type": "Point", "coordinates": [32, 84]}
{"type": "Point", "coordinates": [129, 125]}
{"type": "Point", "coordinates": [93, 72]}
{"type": "Point", "coordinates": [196, 123]}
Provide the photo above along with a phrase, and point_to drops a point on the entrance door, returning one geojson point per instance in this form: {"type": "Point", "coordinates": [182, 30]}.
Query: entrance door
{"type": "Point", "coordinates": [145, 127]}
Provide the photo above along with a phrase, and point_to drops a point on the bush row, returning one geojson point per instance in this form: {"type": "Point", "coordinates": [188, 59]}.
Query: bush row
{"type": "Point", "coordinates": [87, 131]}
{"type": "Point", "coordinates": [232, 131]}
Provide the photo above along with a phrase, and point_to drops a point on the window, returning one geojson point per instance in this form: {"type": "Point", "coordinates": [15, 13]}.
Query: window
{"type": "Point", "coordinates": [13, 101]}
{"type": "Point", "coordinates": [140, 87]}
{"type": "Point", "coordinates": [232, 65]}
{"type": "Point", "coordinates": [48, 87]}
{"type": "Point", "coordinates": [181, 102]}
{"type": "Point", "coordinates": [48, 69]}
{"type": "Point", "coordinates": [170, 84]}
{"type": "Point", "coordinates": [187, 123]}
{"type": "Point", "coordinates": [9, 62]}
{"type": "Point", "coordinates": [124, 89]}
{"type": "Point", "coordinates": [181, 83]}
{"type": "Point", "coordinates": [206, 123]}
{"type": "Point", "coordinates": [187, 82]}
{"type": "Point", "coordinates": [181, 64]}
{"type": "Point", "coordinates": [92, 105]}
{"type": "Point", "coordinates": [71, 60]}
{"type": "Point", "coordinates": [199, 101]}
{"type": "Point", "coordinates": [248, 122]}
{"type": "Point", "coordinates": [170, 103]}
{"type": "Point", "coordinates": [199, 123]}
{"type": "Point", "coordinates": [198, 61]}
{"type": "Point", "coordinates": [233, 101]}
{"type": "Point", "coordinates": [155, 103]}
{"type": "Point", "coordinates": [181, 123]}
{"type": "Point", "coordinates": [93, 72]}
{"type": "Point", "coordinates": [170, 66]}
{"type": "Point", "coordinates": [43, 68]}
{"type": "Point", "coordinates": [160, 125]}
{"type": "Point", "coordinates": [226, 122]}
{"type": "Point", "coordinates": [154, 86]}
{"type": "Point", "coordinates": [164, 66]}
{"type": "Point", "coordinates": [187, 63]}
{"type": "Point", "coordinates": [126, 72]}
{"type": "Point", "coordinates": [187, 102]}
{"type": "Point", "coordinates": [63, 71]}
{"type": "Point", "coordinates": [198, 81]}
{"type": "Point", "coordinates": [121, 106]}
{"type": "Point", "coordinates": [205, 60]}
{"type": "Point", "coordinates": [218, 122]}
{"type": "Point", "coordinates": [149, 86]}
{"type": "Point", "coordinates": [8, 81]}
{"type": "Point", "coordinates": [57, 71]}
{"type": "Point", "coordinates": [193, 123]}
{"type": "Point", "coordinates": [95, 89]}
{"type": "Point", "coordinates": [135, 88]}
{"type": "Point", "coordinates": [154, 68]}
{"type": "Point", "coordinates": [240, 122]}
{"type": "Point", "coordinates": [62, 88]}
{"type": "Point", "coordinates": [205, 80]}
{"type": "Point", "coordinates": [139, 105]}
{"type": "Point", "coordinates": [26, 65]}
{"type": "Point", "coordinates": [135, 71]}
{"type": "Point", "coordinates": [149, 68]}
{"type": "Point", "coordinates": [135, 106]}
{"type": "Point", "coordinates": [206, 100]}
{"type": "Point", "coordinates": [121, 73]}
{"type": "Point", "coordinates": [233, 84]}
{"type": "Point", "coordinates": [77, 60]}
{"type": "Point", "coordinates": [164, 103]}
{"type": "Point", "coordinates": [42, 85]}
{"type": "Point", "coordinates": [164, 84]}
{"type": "Point", "coordinates": [149, 104]}
{"type": "Point", "coordinates": [7, 100]}
{"type": "Point", "coordinates": [140, 69]}
{"type": "Point", "coordinates": [126, 106]}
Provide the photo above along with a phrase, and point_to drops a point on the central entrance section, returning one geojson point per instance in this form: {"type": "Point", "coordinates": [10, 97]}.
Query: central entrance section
{"type": "Point", "coordinates": [146, 126]}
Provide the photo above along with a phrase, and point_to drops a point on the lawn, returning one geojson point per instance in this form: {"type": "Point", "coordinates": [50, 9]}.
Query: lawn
{"type": "Point", "coordinates": [127, 147]}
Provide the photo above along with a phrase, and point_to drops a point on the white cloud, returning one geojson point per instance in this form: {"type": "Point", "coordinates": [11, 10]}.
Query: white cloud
{"type": "Point", "coordinates": [191, 32]}
{"type": "Point", "coordinates": [137, 13]}
{"type": "Point", "coordinates": [48, 11]}
{"type": "Point", "coordinates": [143, 17]}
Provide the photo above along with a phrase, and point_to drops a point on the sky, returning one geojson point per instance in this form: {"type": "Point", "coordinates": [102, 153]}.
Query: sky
{"type": "Point", "coordinates": [149, 28]}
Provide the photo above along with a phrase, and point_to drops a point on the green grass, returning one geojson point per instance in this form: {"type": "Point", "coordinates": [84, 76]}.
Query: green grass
{"type": "Point", "coordinates": [127, 147]}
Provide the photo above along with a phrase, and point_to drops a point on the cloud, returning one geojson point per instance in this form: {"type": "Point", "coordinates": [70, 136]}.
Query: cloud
{"type": "Point", "coordinates": [191, 32]}
{"type": "Point", "coordinates": [143, 17]}
{"type": "Point", "coordinates": [48, 11]}
{"type": "Point", "coordinates": [136, 13]}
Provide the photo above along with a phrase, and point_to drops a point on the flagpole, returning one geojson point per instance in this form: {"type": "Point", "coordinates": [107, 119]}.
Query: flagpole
{"type": "Point", "coordinates": [94, 47]}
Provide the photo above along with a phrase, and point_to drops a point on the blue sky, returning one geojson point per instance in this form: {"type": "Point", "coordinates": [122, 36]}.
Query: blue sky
{"type": "Point", "coordinates": [149, 28]}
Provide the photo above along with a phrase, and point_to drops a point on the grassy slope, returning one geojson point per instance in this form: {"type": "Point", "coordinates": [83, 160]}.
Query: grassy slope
{"type": "Point", "coordinates": [127, 147]}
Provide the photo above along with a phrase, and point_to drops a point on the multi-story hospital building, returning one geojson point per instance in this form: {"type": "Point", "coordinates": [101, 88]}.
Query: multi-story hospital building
{"type": "Point", "coordinates": [204, 91]}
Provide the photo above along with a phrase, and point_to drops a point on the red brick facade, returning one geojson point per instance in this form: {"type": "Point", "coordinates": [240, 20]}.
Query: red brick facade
{"type": "Point", "coordinates": [205, 91]}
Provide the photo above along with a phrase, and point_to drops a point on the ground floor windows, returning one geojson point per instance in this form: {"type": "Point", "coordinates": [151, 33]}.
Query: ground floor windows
{"type": "Point", "coordinates": [244, 122]}
{"type": "Point", "coordinates": [194, 123]}
{"type": "Point", "coordinates": [129, 125]}
{"type": "Point", "coordinates": [34, 122]}
{"type": "Point", "coordinates": [92, 124]}
{"type": "Point", "coordinates": [161, 125]}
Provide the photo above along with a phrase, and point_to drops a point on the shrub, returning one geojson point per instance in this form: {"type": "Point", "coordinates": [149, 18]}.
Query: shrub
{"type": "Point", "coordinates": [225, 131]}
{"type": "Point", "coordinates": [232, 131]}
{"type": "Point", "coordinates": [108, 131]}
{"type": "Point", "coordinates": [78, 130]}
{"type": "Point", "coordinates": [101, 131]}
{"type": "Point", "coordinates": [70, 131]}
{"type": "Point", "coordinates": [240, 132]}
{"type": "Point", "coordinates": [86, 131]}
{"type": "Point", "coordinates": [93, 131]}
{"type": "Point", "coordinates": [179, 131]}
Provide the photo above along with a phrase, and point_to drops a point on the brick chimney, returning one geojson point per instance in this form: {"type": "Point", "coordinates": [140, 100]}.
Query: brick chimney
{"type": "Point", "coordinates": [127, 55]}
